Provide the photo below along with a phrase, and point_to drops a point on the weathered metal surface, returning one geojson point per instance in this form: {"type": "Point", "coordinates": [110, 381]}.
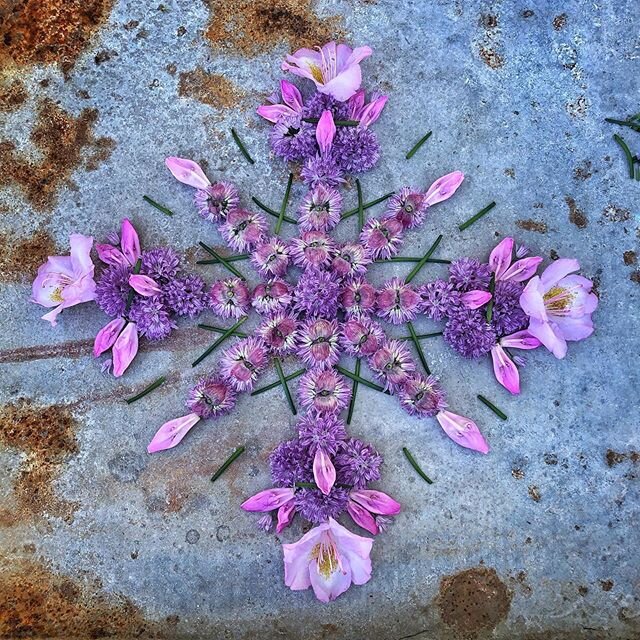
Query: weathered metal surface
{"type": "Point", "coordinates": [537, 540]}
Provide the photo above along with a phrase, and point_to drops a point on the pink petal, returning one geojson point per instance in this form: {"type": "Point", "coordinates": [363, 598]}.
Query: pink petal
{"type": "Point", "coordinates": [357, 55]}
{"type": "Point", "coordinates": [520, 340]}
{"type": "Point", "coordinates": [356, 104]}
{"type": "Point", "coordinates": [124, 349]}
{"type": "Point", "coordinates": [129, 241]}
{"type": "Point", "coordinates": [558, 270]}
{"type": "Point", "coordinates": [52, 315]}
{"type": "Point", "coordinates": [463, 431]}
{"type": "Point", "coordinates": [325, 131]}
{"type": "Point", "coordinates": [532, 301]}
{"type": "Point", "coordinates": [144, 285]}
{"type": "Point", "coordinates": [344, 85]}
{"type": "Point", "coordinates": [372, 111]}
{"type": "Point", "coordinates": [291, 95]}
{"type": "Point", "coordinates": [574, 329]}
{"type": "Point", "coordinates": [110, 254]}
{"type": "Point", "coordinates": [550, 337]}
{"type": "Point", "coordinates": [522, 270]}
{"type": "Point", "coordinates": [273, 112]}
{"type": "Point", "coordinates": [269, 499]}
{"type": "Point", "coordinates": [81, 253]}
{"type": "Point", "coordinates": [475, 299]}
{"type": "Point", "coordinates": [324, 473]}
{"type": "Point", "coordinates": [297, 558]}
{"type": "Point", "coordinates": [285, 515]}
{"type": "Point", "coordinates": [171, 433]}
{"type": "Point", "coordinates": [328, 588]}
{"type": "Point", "coordinates": [187, 172]}
{"type": "Point", "coordinates": [362, 517]}
{"type": "Point", "coordinates": [107, 336]}
{"type": "Point", "coordinates": [376, 502]}
{"type": "Point", "coordinates": [443, 188]}
{"type": "Point", "coordinates": [501, 256]}
{"type": "Point", "coordinates": [505, 370]}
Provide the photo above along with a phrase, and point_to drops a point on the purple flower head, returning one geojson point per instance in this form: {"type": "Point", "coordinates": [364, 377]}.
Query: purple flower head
{"type": "Point", "coordinates": [392, 364]}
{"type": "Point", "coordinates": [316, 293]}
{"type": "Point", "coordinates": [185, 296]}
{"type": "Point", "coordinates": [381, 238]}
{"type": "Point", "coordinates": [229, 298]}
{"type": "Point", "coordinates": [408, 206]}
{"type": "Point", "coordinates": [292, 139]}
{"type": "Point", "coordinates": [350, 260]}
{"type": "Point", "coordinates": [508, 316]}
{"type": "Point", "coordinates": [151, 317]}
{"type": "Point", "coordinates": [358, 464]}
{"type": "Point", "coordinates": [290, 462]}
{"type": "Point", "coordinates": [322, 431]}
{"type": "Point", "coordinates": [315, 506]}
{"type": "Point", "coordinates": [320, 209]}
{"type": "Point", "coordinates": [271, 258]}
{"type": "Point", "coordinates": [469, 334]}
{"type": "Point", "coordinates": [211, 397]}
{"type": "Point", "coordinates": [318, 342]}
{"type": "Point", "coordinates": [323, 390]}
{"type": "Point", "coordinates": [358, 298]}
{"type": "Point", "coordinates": [356, 149]}
{"type": "Point", "coordinates": [271, 296]}
{"type": "Point", "coordinates": [112, 289]}
{"type": "Point", "coordinates": [439, 299]}
{"type": "Point", "coordinates": [312, 249]}
{"type": "Point", "coordinates": [397, 302]}
{"type": "Point", "coordinates": [422, 396]}
{"type": "Point", "coordinates": [318, 103]}
{"type": "Point", "coordinates": [243, 230]}
{"type": "Point", "coordinates": [361, 337]}
{"type": "Point", "coordinates": [265, 523]}
{"type": "Point", "coordinates": [160, 263]}
{"type": "Point", "coordinates": [217, 201]}
{"type": "Point", "coordinates": [322, 169]}
{"type": "Point", "coordinates": [279, 333]}
{"type": "Point", "coordinates": [466, 274]}
{"type": "Point", "coordinates": [242, 363]}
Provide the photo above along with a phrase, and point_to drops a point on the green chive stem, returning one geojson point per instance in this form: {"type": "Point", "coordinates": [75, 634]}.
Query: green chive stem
{"type": "Point", "coordinates": [416, 343]}
{"type": "Point", "coordinates": [423, 260]}
{"type": "Point", "coordinates": [477, 217]}
{"type": "Point", "coordinates": [627, 153]}
{"type": "Point", "coordinates": [273, 385]}
{"type": "Point", "coordinates": [401, 259]}
{"type": "Point", "coordinates": [493, 407]}
{"type": "Point", "coordinates": [362, 381]}
{"type": "Point", "coordinates": [209, 327]}
{"type": "Point", "coordinates": [136, 270]}
{"type": "Point", "coordinates": [421, 336]}
{"type": "Point", "coordinates": [285, 386]}
{"type": "Point", "coordinates": [285, 202]}
{"type": "Point", "coordinates": [227, 463]}
{"type": "Point", "coordinates": [219, 341]}
{"type": "Point", "coordinates": [271, 212]}
{"type": "Point", "coordinates": [149, 389]}
{"type": "Point", "coordinates": [338, 123]}
{"type": "Point", "coordinates": [354, 390]}
{"type": "Point", "coordinates": [416, 466]}
{"type": "Point", "coordinates": [624, 123]}
{"type": "Point", "coordinates": [235, 258]}
{"type": "Point", "coordinates": [222, 260]}
{"type": "Point", "coordinates": [492, 288]}
{"type": "Point", "coordinates": [366, 205]}
{"type": "Point", "coordinates": [153, 203]}
{"type": "Point", "coordinates": [418, 144]}
{"type": "Point", "coordinates": [241, 146]}
{"type": "Point", "coordinates": [360, 206]}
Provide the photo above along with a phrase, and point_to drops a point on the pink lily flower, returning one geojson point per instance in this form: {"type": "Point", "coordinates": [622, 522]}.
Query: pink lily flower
{"type": "Point", "coordinates": [559, 306]}
{"type": "Point", "coordinates": [475, 299]}
{"type": "Point", "coordinates": [129, 251]}
{"type": "Point", "coordinates": [365, 114]}
{"type": "Point", "coordinates": [500, 263]}
{"type": "Point", "coordinates": [443, 188]}
{"type": "Point", "coordinates": [463, 431]}
{"type": "Point", "coordinates": [125, 349]}
{"type": "Point", "coordinates": [144, 285]}
{"type": "Point", "coordinates": [325, 132]}
{"type": "Point", "coordinates": [328, 558]}
{"type": "Point", "coordinates": [171, 433]}
{"type": "Point", "coordinates": [64, 281]}
{"type": "Point", "coordinates": [365, 502]}
{"type": "Point", "coordinates": [335, 69]}
{"type": "Point", "coordinates": [504, 368]}
{"type": "Point", "coordinates": [292, 99]}
{"type": "Point", "coordinates": [107, 336]}
{"type": "Point", "coordinates": [187, 172]}
{"type": "Point", "coordinates": [324, 473]}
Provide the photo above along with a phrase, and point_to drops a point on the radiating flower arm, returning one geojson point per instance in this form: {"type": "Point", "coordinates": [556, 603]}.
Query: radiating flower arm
{"type": "Point", "coordinates": [125, 349]}
{"type": "Point", "coordinates": [110, 254]}
{"type": "Point", "coordinates": [443, 188]}
{"type": "Point", "coordinates": [269, 499]}
{"type": "Point", "coordinates": [362, 517]}
{"type": "Point", "coordinates": [171, 433]}
{"type": "Point", "coordinates": [107, 336]}
{"type": "Point", "coordinates": [325, 131]}
{"type": "Point", "coordinates": [520, 340]}
{"type": "Point", "coordinates": [129, 242]}
{"type": "Point", "coordinates": [187, 172]}
{"type": "Point", "coordinates": [463, 431]}
{"type": "Point", "coordinates": [324, 473]}
{"type": "Point", "coordinates": [522, 270]}
{"type": "Point", "coordinates": [501, 257]}
{"type": "Point", "coordinates": [144, 285]}
{"type": "Point", "coordinates": [475, 299]}
{"type": "Point", "coordinates": [291, 96]}
{"type": "Point", "coordinates": [376, 502]}
{"type": "Point", "coordinates": [505, 370]}
{"type": "Point", "coordinates": [285, 515]}
{"type": "Point", "coordinates": [371, 112]}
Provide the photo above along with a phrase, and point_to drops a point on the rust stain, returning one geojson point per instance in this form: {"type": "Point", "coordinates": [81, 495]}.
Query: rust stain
{"type": "Point", "coordinates": [48, 31]}
{"type": "Point", "coordinates": [614, 457]}
{"type": "Point", "coordinates": [13, 94]}
{"type": "Point", "coordinates": [576, 215]}
{"type": "Point", "coordinates": [578, 108]}
{"type": "Point", "coordinates": [518, 474]}
{"type": "Point", "coordinates": [473, 600]}
{"type": "Point", "coordinates": [491, 58]}
{"type": "Point", "coordinates": [532, 225]}
{"type": "Point", "coordinates": [534, 493]}
{"type": "Point", "coordinates": [46, 435]}
{"type": "Point", "coordinates": [629, 257]}
{"type": "Point", "coordinates": [490, 45]}
{"type": "Point", "coordinates": [61, 139]}
{"type": "Point", "coordinates": [70, 349]}
{"type": "Point", "coordinates": [528, 13]}
{"type": "Point", "coordinates": [634, 276]}
{"type": "Point", "coordinates": [559, 22]}
{"type": "Point", "coordinates": [20, 258]}
{"type": "Point", "coordinates": [584, 171]}
{"type": "Point", "coordinates": [614, 213]}
{"type": "Point", "coordinates": [38, 603]}
{"type": "Point", "coordinates": [606, 585]}
{"type": "Point", "coordinates": [209, 88]}
{"type": "Point", "coordinates": [252, 28]}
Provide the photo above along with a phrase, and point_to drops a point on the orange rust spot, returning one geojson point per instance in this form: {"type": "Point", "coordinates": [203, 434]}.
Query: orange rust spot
{"type": "Point", "coordinates": [614, 213]}
{"type": "Point", "coordinates": [560, 21]}
{"type": "Point", "coordinates": [614, 457]}
{"type": "Point", "coordinates": [584, 171]}
{"type": "Point", "coordinates": [60, 138]}
{"type": "Point", "coordinates": [532, 225]}
{"type": "Point", "coordinates": [45, 434]}
{"type": "Point", "coordinates": [534, 493]}
{"type": "Point", "coordinates": [491, 58]}
{"type": "Point", "coordinates": [20, 258]}
{"type": "Point", "coordinates": [209, 88]}
{"type": "Point", "coordinates": [12, 95]}
{"type": "Point", "coordinates": [48, 31]}
{"type": "Point", "coordinates": [576, 215]}
{"type": "Point", "coordinates": [256, 27]}
{"type": "Point", "coordinates": [629, 257]}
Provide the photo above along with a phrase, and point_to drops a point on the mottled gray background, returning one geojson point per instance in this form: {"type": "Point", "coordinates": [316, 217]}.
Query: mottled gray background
{"type": "Point", "coordinates": [538, 539]}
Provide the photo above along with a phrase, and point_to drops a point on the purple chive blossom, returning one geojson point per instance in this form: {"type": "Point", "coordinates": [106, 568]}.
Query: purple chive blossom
{"type": "Point", "coordinates": [408, 206]}
{"type": "Point", "coordinates": [265, 523]}
{"type": "Point", "coordinates": [271, 258]}
{"type": "Point", "coordinates": [356, 149]}
{"type": "Point", "coordinates": [112, 290]}
{"type": "Point", "coordinates": [243, 362]}
{"type": "Point", "coordinates": [468, 333]}
{"type": "Point", "coordinates": [316, 507]}
{"type": "Point", "coordinates": [152, 318]}
{"type": "Point", "coordinates": [361, 337]}
{"type": "Point", "coordinates": [508, 316]}
{"type": "Point", "coordinates": [229, 298]}
{"type": "Point", "coordinates": [322, 169]}
{"type": "Point", "coordinates": [439, 299]}
{"type": "Point", "coordinates": [350, 260]}
{"type": "Point", "coordinates": [326, 432]}
{"type": "Point", "coordinates": [290, 462]}
{"type": "Point", "coordinates": [272, 296]}
{"type": "Point", "coordinates": [318, 342]}
{"type": "Point", "coordinates": [358, 464]}
{"type": "Point", "coordinates": [397, 302]}
{"type": "Point", "coordinates": [312, 249]}
{"type": "Point", "coordinates": [217, 201]}
{"type": "Point", "coordinates": [211, 397]}
{"type": "Point", "coordinates": [467, 274]}
{"type": "Point", "coordinates": [243, 230]}
{"type": "Point", "coordinates": [320, 209]}
{"type": "Point", "coordinates": [279, 333]}
{"type": "Point", "coordinates": [358, 298]}
{"type": "Point", "coordinates": [392, 364]}
{"type": "Point", "coordinates": [320, 102]}
{"type": "Point", "coordinates": [292, 139]}
{"type": "Point", "coordinates": [422, 396]}
{"type": "Point", "coordinates": [381, 238]}
{"type": "Point", "coordinates": [383, 523]}
{"type": "Point", "coordinates": [185, 296]}
{"type": "Point", "coordinates": [324, 390]}
{"type": "Point", "coordinates": [522, 251]}
{"type": "Point", "coordinates": [316, 293]}
{"type": "Point", "coordinates": [160, 263]}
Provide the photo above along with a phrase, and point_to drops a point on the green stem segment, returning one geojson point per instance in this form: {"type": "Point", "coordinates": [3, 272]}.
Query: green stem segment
{"type": "Point", "coordinates": [501, 414]}
{"type": "Point", "coordinates": [219, 341]}
{"type": "Point", "coordinates": [136, 270]}
{"type": "Point", "coordinates": [227, 463]}
{"type": "Point", "coordinates": [625, 123]}
{"type": "Point", "coordinates": [153, 203]}
{"type": "Point", "coordinates": [210, 327]}
{"type": "Point", "coordinates": [416, 466]}
{"type": "Point", "coordinates": [408, 259]}
{"type": "Point", "coordinates": [627, 153]}
{"type": "Point", "coordinates": [354, 390]}
{"type": "Point", "coordinates": [271, 211]}
{"type": "Point", "coordinates": [338, 123]}
{"type": "Point", "coordinates": [221, 260]}
{"type": "Point", "coordinates": [423, 260]}
{"type": "Point", "coordinates": [360, 206]}
{"type": "Point", "coordinates": [366, 205]}
{"type": "Point", "coordinates": [492, 288]}
{"type": "Point", "coordinates": [238, 257]}
{"type": "Point", "coordinates": [243, 149]}
{"type": "Point", "coordinates": [144, 392]}
{"type": "Point", "coordinates": [273, 385]}
{"type": "Point", "coordinates": [421, 336]}
{"type": "Point", "coordinates": [418, 144]}
{"type": "Point", "coordinates": [285, 386]}
{"type": "Point", "coordinates": [285, 202]}
{"type": "Point", "coordinates": [477, 217]}
{"type": "Point", "coordinates": [416, 342]}
{"type": "Point", "coordinates": [362, 381]}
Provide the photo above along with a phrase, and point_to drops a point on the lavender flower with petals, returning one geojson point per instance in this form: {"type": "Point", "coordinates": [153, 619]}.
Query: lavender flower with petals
{"type": "Point", "coordinates": [316, 293]}
{"type": "Point", "coordinates": [439, 299]}
{"type": "Point", "coordinates": [320, 102]}
{"type": "Point", "coordinates": [272, 296]}
{"type": "Point", "coordinates": [112, 290]}
{"type": "Point", "coordinates": [318, 342]}
{"type": "Point", "coordinates": [229, 298]}
{"type": "Point", "coordinates": [243, 230]}
{"type": "Point", "coordinates": [468, 274]}
{"type": "Point", "coordinates": [151, 317]}
{"type": "Point", "coordinates": [408, 206]}
{"type": "Point", "coordinates": [381, 238]}
{"type": "Point", "coordinates": [358, 464]}
{"type": "Point", "coordinates": [271, 258]}
{"type": "Point", "coordinates": [356, 149]}
{"type": "Point", "coordinates": [211, 397]}
{"type": "Point", "coordinates": [358, 298]}
{"type": "Point", "coordinates": [392, 364]}
{"type": "Point", "coordinates": [508, 316]}
{"type": "Point", "coordinates": [317, 507]}
{"type": "Point", "coordinates": [422, 396]}
{"type": "Point", "coordinates": [243, 362]}
{"type": "Point", "coordinates": [350, 260]}
{"type": "Point", "coordinates": [161, 264]}
{"type": "Point", "coordinates": [279, 333]}
{"type": "Point", "coordinates": [312, 249]}
{"type": "Point", "coordinates": [290, 462]}
{"type": "Point", "coordinates": [322, 169]}
{"type": "Point", "coordinates": [186, 295]}
{"type": "Point", "coordinates": [216, 201]}
{"type": "Point", "coordinates": [320, 209]}
{"type": "Point", "coordinates": [292, 139]}
{"type": "Point", "coordinates": [361, 337]}
{"type": "Point", "coordinates": [322, 431]}
{"type": "Point", "coordinates": [324, 391]}
{"type": "Point", "coordinates": [469, 334]}
{"type": "Point", "coordinates": [398, 302]}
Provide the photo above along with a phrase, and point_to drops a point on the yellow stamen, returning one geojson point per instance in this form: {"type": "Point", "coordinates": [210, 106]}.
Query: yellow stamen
{"type": "Point", "coordinates": [316, 72]}
{"type": "Point", "coordinates": [326, 559]}
{"type": "Point", "coordinates": [56, 295]}
{"type": "Point", "coordinates": [558, 299]}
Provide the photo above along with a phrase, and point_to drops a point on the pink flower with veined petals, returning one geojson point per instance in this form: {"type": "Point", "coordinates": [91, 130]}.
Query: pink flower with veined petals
{"type": "Point", "coordinates": [504, 367]}
{"type": "Point", "coordinates": [272, 296]}
{"type": "Point", "coordinates": [124, 349]}
{"type": "Point", "coordinates": [328, 558]}
{"type": "Point", "coordinates": [462, 431]}
{"type": "Point", "coordinates": [392, 364]}
{"type": "Point", "coordinates": [242, 363]}
{"type": "Point", "coordinates": [129, 250]}
{"type": "Point", "coordinates": [171, 433]}
{"type": "Point", "coordinates": [443, 188]}
{"type": "Point", "coordinates": [271, 258]}
{"type": "Point", "coordinates": [501, 259]}
{"type": "Point", "coordinates": [318, 342]}
{"type": "Point", "coordinates": [324, 390]}
{"type": "Point", "coordinates": [381, 238]}
{"type": "Point", "coordinates": [358, 298]}
{"type": "Point", "coordinates": [312, 249]}
{"type": "Point", "coordinates": [361, 337]}
{"type": "Point", "coordinates": [335, 69]}
{"type": "Point", "coordinates": [229, 298]}
{"type": "Point", "coordinates": [243, 230]}
{"type": "Point", "coordinates": [292, 99]}
{"type": "Point", "coordinates": [365, 113]}
{"type": "Point", "coordinates": [397, 302]}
